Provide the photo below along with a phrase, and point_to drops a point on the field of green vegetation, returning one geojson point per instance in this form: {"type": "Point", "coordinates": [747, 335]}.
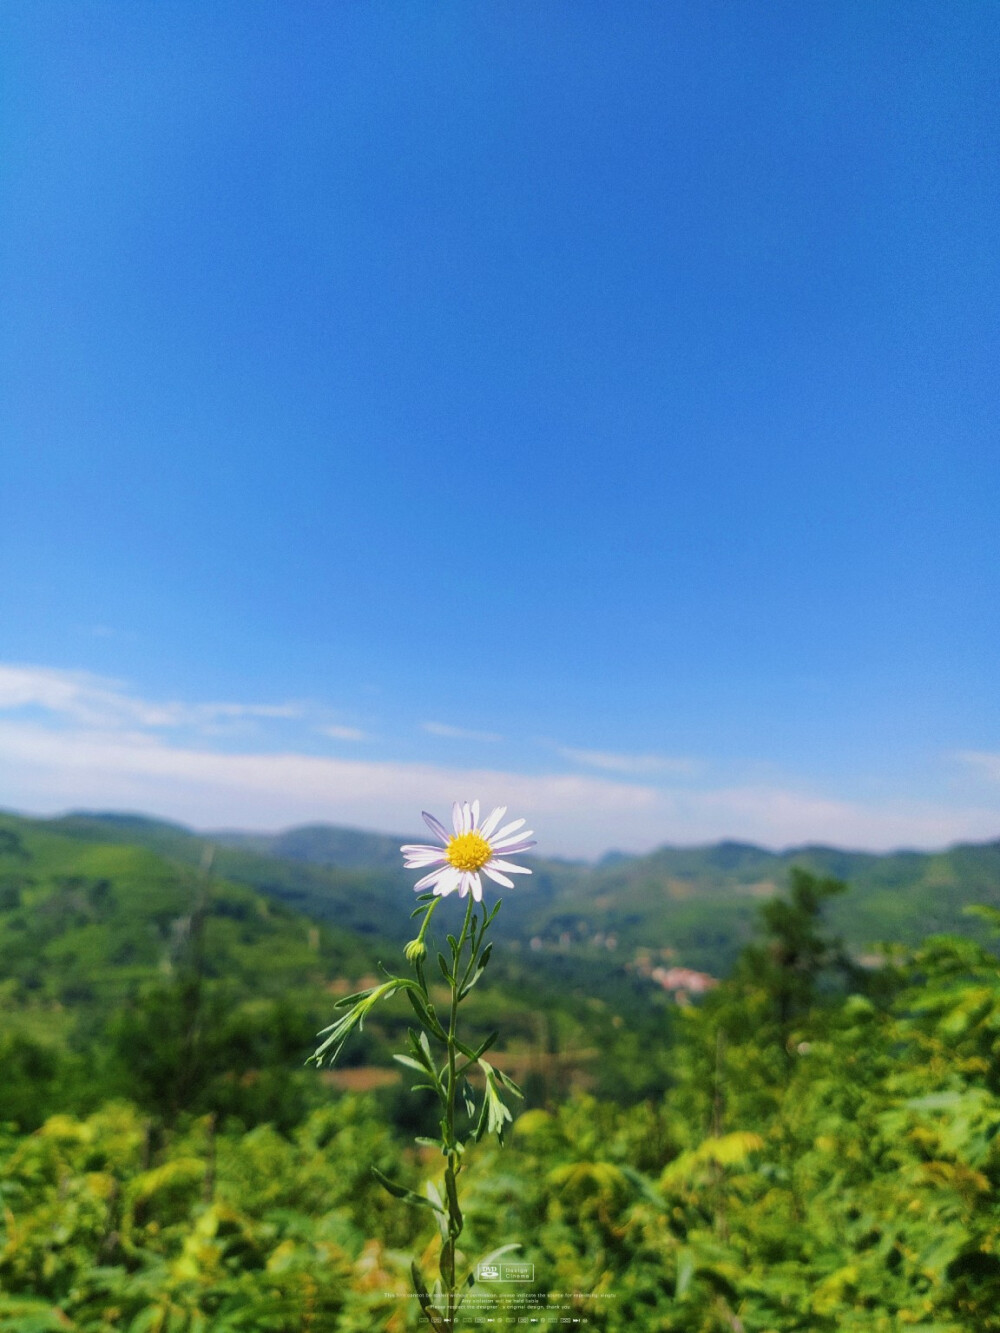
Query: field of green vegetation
{"type": "Point", "coordinates": [812, 1145]}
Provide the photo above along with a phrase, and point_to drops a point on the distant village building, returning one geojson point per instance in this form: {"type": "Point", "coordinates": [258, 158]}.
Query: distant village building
{"type": "Point", "coordinates": [683, 982]}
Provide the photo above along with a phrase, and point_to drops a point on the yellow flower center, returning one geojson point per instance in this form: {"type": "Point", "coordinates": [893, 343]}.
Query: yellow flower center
{"type": "Point", "coordinates": [468, 851]}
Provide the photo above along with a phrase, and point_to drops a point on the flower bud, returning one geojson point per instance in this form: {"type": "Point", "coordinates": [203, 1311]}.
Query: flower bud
{"type": "Point", "coordinates": [415, 950]}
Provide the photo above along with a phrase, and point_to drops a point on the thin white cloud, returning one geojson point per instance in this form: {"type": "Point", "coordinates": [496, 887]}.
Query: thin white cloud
{"type": "Point", "coordinates": [635, 764]}
{"type": "Point", "coordinates": [95, 701]}
{"type": "Point", "coordinates": [458, 733]}
{"type": "Point", "coordinates": [44, 770]}
{"type": "Point", "coordinates": [97, 746]}
{"type": "Point", "coordinates": [983, 761]}
{"type": "Point", "coordinates": [198, 711]}
{"type": "Point", "coordinates": [344, 733]}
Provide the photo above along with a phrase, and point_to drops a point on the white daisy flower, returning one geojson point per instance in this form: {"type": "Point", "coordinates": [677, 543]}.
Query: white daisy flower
{"type": "Point", "coordinates": [473, 847]}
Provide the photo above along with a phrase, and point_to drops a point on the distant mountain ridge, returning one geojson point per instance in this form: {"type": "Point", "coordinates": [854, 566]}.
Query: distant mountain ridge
{"type": "Point", "coordinates": [322, 845]}
{"type": "Point", "coordinates": [694, 904]}
{"type": "Point", "coordinates": [347, 847]}
{"type": "Point", "coordinates": [702, 901]}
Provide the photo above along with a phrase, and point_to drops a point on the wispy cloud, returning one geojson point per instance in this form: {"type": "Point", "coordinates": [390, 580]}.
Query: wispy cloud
{"type": "Point", "coordinates": [95, 701]}
{"type": "Point", "coordinates": [72, 740]}
{"type": "Point", "coordinates": [635, 764]}
{"type": "Point", "coordinates": [44, 770]}
{"type": "Point", "coordinates": [458, 733]}
{"type": "Point", "coordinates": [345, 733]}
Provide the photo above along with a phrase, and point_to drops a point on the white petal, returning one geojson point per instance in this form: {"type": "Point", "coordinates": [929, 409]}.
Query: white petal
{"type": "Point", "coordinates": [494, 819]}
{"type": "Point", "coordinates": [456, 818]}
{"type": "Point", "coordinates": [509, 839]}
{"type": "Point", "coordinates": [466, 818]}
{"type": "Point", "coordinates": [512, 848]}
{"type": "Point", "coordinates": [510, 828]}
{"type": "Point", "coordinates": [436, 827]}
{"type": "Point", "coordinates": [447, 881]}
{"type": "Point", "coordinates": [422, 856]}
{"type": "Point", "coordinates": [425, 883]}
{"type": "Point", "coordinates": [475, 815]}
{"type": "Point", "coordinates": [509, 867]}
{"type": "Point", "coordinates": [414, 861]}
{"type": "Point", "coordinates": [409, 848]}
{"type": "Point", "coordinates": [477, 888]}
{"type": "Point", "coordinates": [500, 879]}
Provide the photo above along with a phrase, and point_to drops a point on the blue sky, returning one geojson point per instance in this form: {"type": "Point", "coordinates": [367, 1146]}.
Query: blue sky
{"type": "Point", "coordinates": [591, 408]}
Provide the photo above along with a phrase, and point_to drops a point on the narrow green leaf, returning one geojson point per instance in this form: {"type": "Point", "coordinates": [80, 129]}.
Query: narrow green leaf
{"type": "Point", "coordinates": [467, 1097]}
{"type": "Point", "coordinates": [411, 1064]}
{"type": "Point", "coordinates": [420, 1049]}
{"type": "Point", "coordinates": [685, 1272]}
{"type": "Point", "coordinates": [645, 1187]}
{"type": "Point", "coordinates": [486, 1044]}
{"type": "Point", "coordinates": [473, 1055]}
{"type": "Point", "coordinates": [401, 1192]}
{"type": "Point", "coordinates": [507, 1082]}
{"type": "Point", "coordinates": [425, 1012]}
{"type": "Point", "coordinates": [441, 1213]}
{"type": "Point", "coordinates": [345, 1000]}
{"type": "Point", "coordinates": [495, 1114]}
{"type": "Point", "coordinates": [424, 1297]}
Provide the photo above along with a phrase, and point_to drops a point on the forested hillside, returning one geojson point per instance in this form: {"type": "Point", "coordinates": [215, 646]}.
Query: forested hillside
{"type": "Point", "coordinates": [179, 975]}
{"type": "Point", "coordinates": [698, 904]}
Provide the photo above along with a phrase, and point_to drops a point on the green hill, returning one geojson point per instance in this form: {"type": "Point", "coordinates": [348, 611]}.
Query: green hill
{"type": "Point", "coordinates": [358, 893]}
{"type": "Point", "coordinates": [322, 845]}
{"type": "Point", "coordinates": [123, 968]}
{"type": "Point", "coordinates": [126, 969]}
{"type": "Point", "coordinates": [699, 903]}
{"type": "Point", "coordinates": [694, 906]}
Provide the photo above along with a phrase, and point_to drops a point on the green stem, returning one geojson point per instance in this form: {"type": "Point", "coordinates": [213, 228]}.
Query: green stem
{"type": "Point", "coordinates": [453, 1167]}
{"type": "Point", "coordinates": [431, 908]}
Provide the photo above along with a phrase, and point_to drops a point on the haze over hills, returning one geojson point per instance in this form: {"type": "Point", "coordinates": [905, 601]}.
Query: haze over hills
{"type": "Point", "coordinates": [323, 845]}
